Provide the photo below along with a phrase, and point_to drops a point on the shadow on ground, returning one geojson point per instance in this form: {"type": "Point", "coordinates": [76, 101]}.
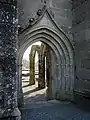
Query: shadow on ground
{"type": "Point", "coordinates": [31, 91]}
{"type": "Point", "coordinates": [35, 99]}
{"type": "Point", "coordinates": [57, 111]}
{"type": "Point", "coordinates": [26, 85]}
{"type": "Point", "coordinates": [37, 108]}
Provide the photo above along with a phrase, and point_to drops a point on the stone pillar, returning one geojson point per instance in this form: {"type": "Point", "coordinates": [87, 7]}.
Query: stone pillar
{"type": "Point", "coordinates": [1, 90]}
{"type": "Point", "coordinates": [34, 48]}
{"type": "Point", "coordinates": [19, 86]}
{"type": "Point", "coordinates": [48, 73]}
{"type": "Point", "coordinates": [32, 69]}
{"type": "Point", "coordinates": [41, 82]}
{"type": "Point", "coordinates": [8, 41]}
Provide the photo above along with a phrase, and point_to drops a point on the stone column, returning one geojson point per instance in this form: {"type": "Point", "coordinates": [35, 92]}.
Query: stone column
{"type": "Point", "coordinates": [32, 69]}
{"type": "Point", "coordinates": [48, 73]}
{"type": "Point", "coordinates": [41, 82]}
{"type": "Point", "coordinates": [1, 89]}
{"type": "Point", "coordinates": [34, 48]}
{"type": "Point", "coordinates": [19, 86]}
{"type": "Point", "coordinates": [8, 41]}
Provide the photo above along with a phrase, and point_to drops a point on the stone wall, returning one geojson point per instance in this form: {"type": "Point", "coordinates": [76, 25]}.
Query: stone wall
{"type": "Point", "coordinates": [8, 50]}
{"type": "Point", "coordinates": [63, 14]}
{"type": "Point", "coordinates": [71, 17]}
{"type": "Point", "coordinates": [27, 8]}
{"type": "Point", "coordinates": [74, 18]}
{"type": "Point", "coordinates": [60, 10]}
{"type": "Point", "coordinates": [81, 35]}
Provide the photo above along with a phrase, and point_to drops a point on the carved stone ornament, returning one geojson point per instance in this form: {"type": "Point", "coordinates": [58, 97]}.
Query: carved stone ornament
{"type": "Point", "coordinates": [38, 15]}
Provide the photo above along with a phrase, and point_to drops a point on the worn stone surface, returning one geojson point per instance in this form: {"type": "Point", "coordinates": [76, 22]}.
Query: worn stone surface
{"type": "Point", "coordinates": [48, 73]}
{"type": "Point", "coordinates": [8, 40]}
{"type": "Point", "coordinates": [81, 28]}
{"type": "Point", "coordinates": [74, 18]}
{"type": "Point", "coordinates": [34, 48]}
{"type": "Point", "coordinates": [42, 66]}
{"type": "Point", "coordinates": [60, 10]}
{"type": "Point", "coordinates": [41, 56]}
{"type": "Point", "coordinates": [46, 30]}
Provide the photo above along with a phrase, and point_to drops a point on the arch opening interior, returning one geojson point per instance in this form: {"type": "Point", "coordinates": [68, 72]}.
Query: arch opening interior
{"type": "Point", "coordinates": [37, 73]}
{"type": "Point", "coordinates": [63, 79]}
{"type": "Point", "coordinates": [62, 68]}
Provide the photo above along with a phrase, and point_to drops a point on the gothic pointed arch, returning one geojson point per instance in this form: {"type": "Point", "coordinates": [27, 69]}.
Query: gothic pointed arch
{"type": "Point", "coordinates": [44, 28]}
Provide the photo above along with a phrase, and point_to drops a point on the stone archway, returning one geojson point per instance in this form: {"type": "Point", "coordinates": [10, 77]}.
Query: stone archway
{"type": "Point", "coordinates": [44, 28]}
{"type": "Point", "coordinates": [64, 77]}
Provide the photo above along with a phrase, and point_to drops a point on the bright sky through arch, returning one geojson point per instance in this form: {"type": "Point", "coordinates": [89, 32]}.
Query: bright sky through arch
{"type": "Point", "coordinates": [27, 52]}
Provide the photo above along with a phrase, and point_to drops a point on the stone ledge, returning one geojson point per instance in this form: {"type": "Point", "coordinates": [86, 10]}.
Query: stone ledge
{"type": "Point", "coordinates": [84, 93]}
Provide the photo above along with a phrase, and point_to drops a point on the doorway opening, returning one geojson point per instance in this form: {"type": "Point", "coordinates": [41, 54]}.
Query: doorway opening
{"type": "Point", "coordinates": [59, 63]}
{"type": "Point", "coordinates": [37, 70]}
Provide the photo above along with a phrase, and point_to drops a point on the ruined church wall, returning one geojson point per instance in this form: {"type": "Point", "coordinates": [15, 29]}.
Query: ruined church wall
{"type": "Point", "coordinates": [60, 10]}
{"type": "Point", "coordinates": [81, 35]}
{"type": "Point", "coordinates": [74, 18]}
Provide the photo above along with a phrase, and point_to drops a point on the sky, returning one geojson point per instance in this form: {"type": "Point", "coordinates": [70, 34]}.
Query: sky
{"type": "Point", "coordinates": [27, 52]}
